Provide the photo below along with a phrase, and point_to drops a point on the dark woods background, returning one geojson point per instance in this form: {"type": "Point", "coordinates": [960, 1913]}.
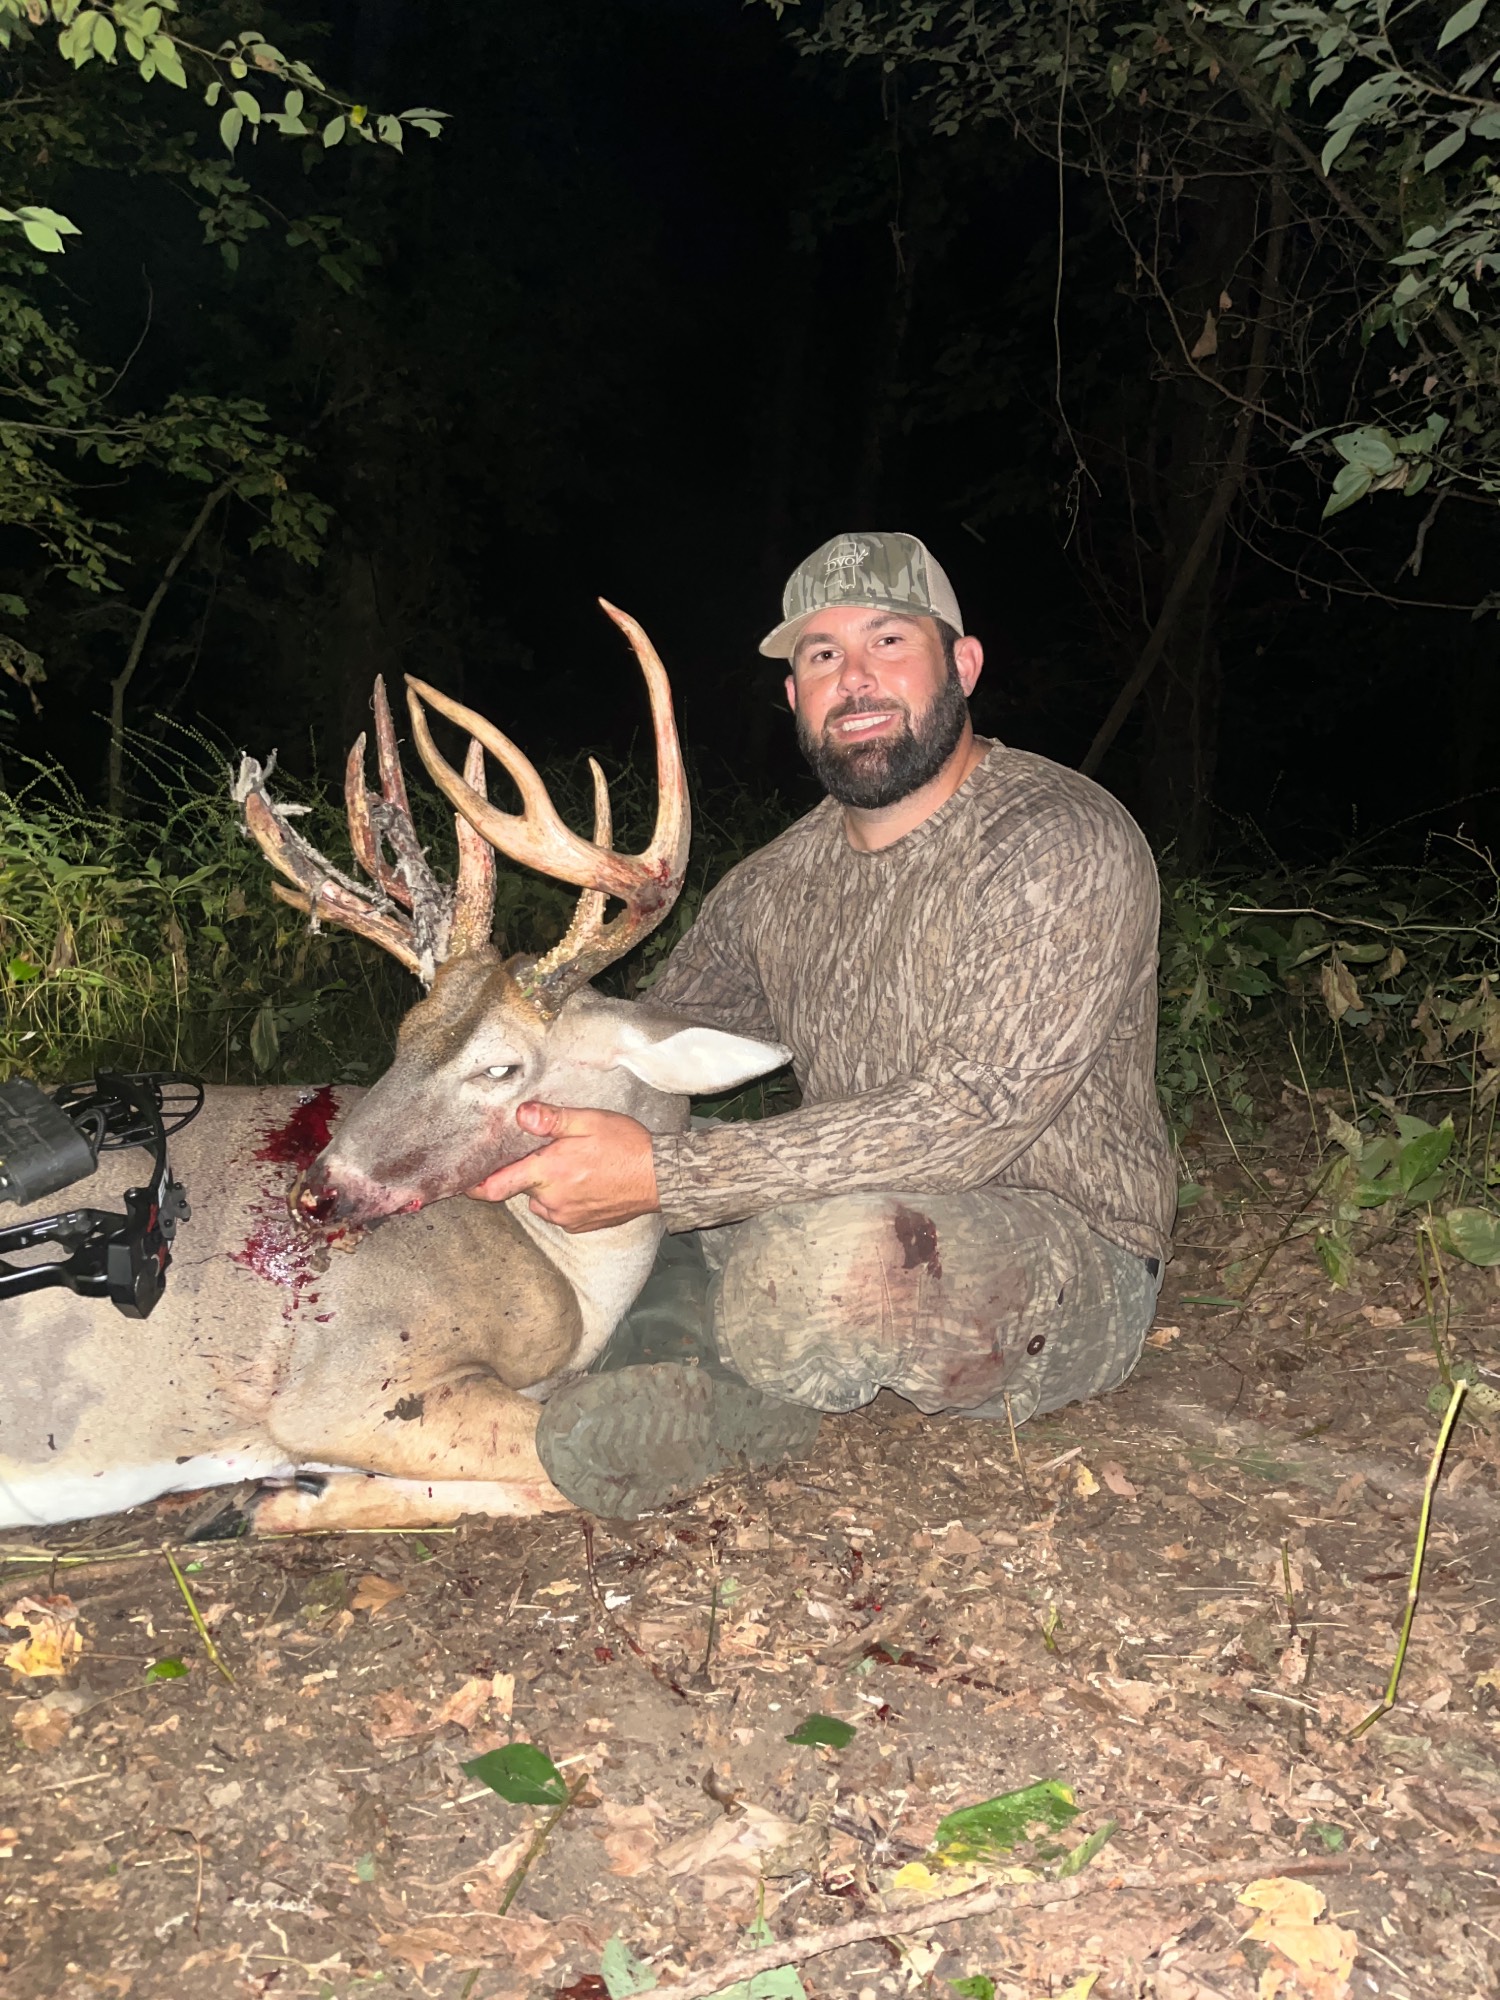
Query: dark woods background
{"type": "Point", "coordinates": [669, 303]}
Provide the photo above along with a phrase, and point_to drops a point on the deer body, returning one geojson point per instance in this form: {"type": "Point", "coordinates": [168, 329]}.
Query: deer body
{"type": "Point", "coordinates": [370, 1346]}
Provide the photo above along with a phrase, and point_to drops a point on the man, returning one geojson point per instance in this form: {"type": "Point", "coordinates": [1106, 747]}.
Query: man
{"type": "Point", "coordinates": [971, 1206]}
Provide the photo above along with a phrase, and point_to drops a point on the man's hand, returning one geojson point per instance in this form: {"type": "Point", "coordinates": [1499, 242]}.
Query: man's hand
{"type": "Point", "coordinates": [595, 1171]}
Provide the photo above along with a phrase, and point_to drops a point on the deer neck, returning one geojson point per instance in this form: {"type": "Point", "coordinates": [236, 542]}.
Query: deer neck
{"type": "Point", "coordinates": [605, 1267]}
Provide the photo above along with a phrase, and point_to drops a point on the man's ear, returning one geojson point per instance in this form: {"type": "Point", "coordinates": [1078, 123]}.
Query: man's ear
{"type": "Point", "coordinates": [689, 1061]}
{"type": "Point", "coordinates": [791, 692]}
{"type": "Point", "coordinates": [968, 657]}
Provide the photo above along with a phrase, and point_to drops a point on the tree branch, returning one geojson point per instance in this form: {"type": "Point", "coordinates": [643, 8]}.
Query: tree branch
{"type": "Point", "coordinates": [122, 680]}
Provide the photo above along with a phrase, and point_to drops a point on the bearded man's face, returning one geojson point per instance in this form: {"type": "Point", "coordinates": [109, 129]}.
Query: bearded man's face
{"type": "Point", "coordinates": [880, 706]}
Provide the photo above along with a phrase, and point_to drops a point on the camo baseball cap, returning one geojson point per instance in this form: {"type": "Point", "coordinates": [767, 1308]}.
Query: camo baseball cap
{"type": "Point", "coordinates": [885, 572]}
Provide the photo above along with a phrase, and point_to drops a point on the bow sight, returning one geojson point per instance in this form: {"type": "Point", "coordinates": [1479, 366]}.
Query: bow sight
{"type": "Point", "coordinates": [48, 1142]}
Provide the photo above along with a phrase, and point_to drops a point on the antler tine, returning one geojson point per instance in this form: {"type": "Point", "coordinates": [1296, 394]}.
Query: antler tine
{"type": "Point", "coordinates": [321, 891]}
{"type": "Point", "coordinates": [474, 894]}
{"type": "Point", "coordinates": [537, 835]}
{"type": "Point", "coordinates": [647, 884]}
{"type": "Point", "coordinates": [672, 837]}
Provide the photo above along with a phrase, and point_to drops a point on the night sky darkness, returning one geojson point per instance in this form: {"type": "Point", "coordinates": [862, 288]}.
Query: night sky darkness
{"type": "Point", "coordinates": [665, 308]}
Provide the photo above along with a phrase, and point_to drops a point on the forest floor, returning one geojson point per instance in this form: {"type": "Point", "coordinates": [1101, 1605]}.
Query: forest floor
{"type": "Point", "coordinates": [1177, 1601]}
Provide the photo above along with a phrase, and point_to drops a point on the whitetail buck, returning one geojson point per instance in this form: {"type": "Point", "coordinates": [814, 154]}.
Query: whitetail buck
{"type": "Point", "coordinates": [384, 1376]}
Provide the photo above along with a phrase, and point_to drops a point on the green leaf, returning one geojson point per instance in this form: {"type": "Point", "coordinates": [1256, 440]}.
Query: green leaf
{"type": "Point", "coordinates": [999, 1824]}
{"type": "Point", "coordinates": [364, 1868]}
{"type": "Point", "coordinates": [1078, 1858]}
{"type": "Point", "coordinates": [816, 1728]}
{"type": "Point", "coordinates": [21, 970]}
{"type": "Point", "coordinates": [1352, 484]}
{"type": "Point", "coordinates": [1475, 1234]}
{"type": "Point", "coordinates": [265, 1037]}
{"type": "Point", "coordinates": [622, 1972]}
{"type": "Point", "coordinates": [1189, 1194]}
{"type": "Point", "coordinates": [166, 1670]}
{"type": "Point", "coordinates": [105, 38]}
{"type": "Point", "coordinates": [783, 1982]}
{"type": "Point", "coordinates": [168, 61]}
{"type": "Point", "coordinates": [333, 131]}
{"type": "Point", "coordinates": [1336, 144]}
{"type": "Point", "coordinates": [1461, 22]}
{"type": "Point", "coordinates": [1423, 1155]}
{"type": "Point", "coordinates": [44, 227]}
{"type": "Point", "coordinates": [1331, 1836]}
{"type": "Point", "coordinates": [230, 126]}
{"type": "Point", "coordinates": [1118, 72]}
{"type": "Point", "coordinates": [1336, 1258]}
{"type": "Point", "coordinates": [1445, 148]}
{"type": "Point", "coordinates": [522, 1775]}
{"type": "Point", "coordinates": [978, 1986]}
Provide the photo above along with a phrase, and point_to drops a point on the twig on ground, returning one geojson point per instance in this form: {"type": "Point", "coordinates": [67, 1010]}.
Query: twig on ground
{"type": "Point", "coordinates": [197, 1617]}
{"type": "Point", "coordinates": [1007, 1896]}
{"type": "Point", "coordinates": [875, 1633]}
{"type": "Point", "coordinates": [1016, 1452]}
{"type": "Point", "coordinates": [1439, 1450]}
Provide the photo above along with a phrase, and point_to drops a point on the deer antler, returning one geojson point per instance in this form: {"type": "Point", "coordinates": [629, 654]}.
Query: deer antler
{"type": "Point", "coordinates": [411, 915]}
{"type": "Point", "coordinates": [647, 884]}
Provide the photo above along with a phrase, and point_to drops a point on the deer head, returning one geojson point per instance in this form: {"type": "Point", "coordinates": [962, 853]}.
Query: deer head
{"type": "Point", "coordinates": [493, 1032]}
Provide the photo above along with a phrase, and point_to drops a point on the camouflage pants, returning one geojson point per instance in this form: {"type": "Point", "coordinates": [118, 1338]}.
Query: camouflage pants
{"type": "Point", "coordinates": [957, 1302]}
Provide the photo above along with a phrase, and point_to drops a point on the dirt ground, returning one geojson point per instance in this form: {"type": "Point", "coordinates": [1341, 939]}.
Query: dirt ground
{"type": "Point", "coordinates": [1178, 1603]}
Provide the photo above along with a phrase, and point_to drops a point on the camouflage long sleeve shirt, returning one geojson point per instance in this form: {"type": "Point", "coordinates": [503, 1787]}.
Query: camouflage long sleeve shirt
{"type": "Point", "coordinates": [973, 1005]}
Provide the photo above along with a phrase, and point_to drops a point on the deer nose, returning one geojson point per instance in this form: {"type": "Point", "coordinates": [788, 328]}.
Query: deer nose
{"type": "Point", "coordinates": [314, 1195]}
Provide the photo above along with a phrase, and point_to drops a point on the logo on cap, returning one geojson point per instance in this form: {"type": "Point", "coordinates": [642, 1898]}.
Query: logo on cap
{"type": "Point", "coordinates": [846, 555]}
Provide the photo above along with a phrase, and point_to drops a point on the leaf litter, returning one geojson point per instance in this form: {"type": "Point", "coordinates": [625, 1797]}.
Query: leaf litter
{"type": "Point", "coordinates": [1176, 1647]}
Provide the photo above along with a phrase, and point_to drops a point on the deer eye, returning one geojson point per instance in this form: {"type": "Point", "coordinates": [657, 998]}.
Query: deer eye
{"type": "Point", "coordinates": [501, 1069]}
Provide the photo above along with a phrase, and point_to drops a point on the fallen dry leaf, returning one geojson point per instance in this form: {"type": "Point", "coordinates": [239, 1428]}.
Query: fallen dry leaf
{"type": "Point", "coordinates": [503, 1694]}
{"type": "Point", "coordinates": [1292, 1667]}
{"type": "Point", "coordinates": [525, 1943]}
{"type": "Point", "coordinates": [375, 1594]}
{"type": "Point", "coordinates": [462, 1707]}
{"type": "Point", "coordinates": [1137, 1698]}
{"type": "Point", "coordinates": [722, 1860]}
{"type": "Point", "coordinates": [52, 1643]}
{"type": "Point", "coordinates": [394, 1718]}
{"type": "Point", "coordinates": [40, 1725]}
{"type": "Point", "coordinates": [1114, 1478]}
{"type": "Point", "coordinates": [1085, 1485]}
{"type": "Point", "coordinates": [1322, 1954]}
{"type": "Point", "coordinates": [1163, 1336]}
{"type": "Point", "coordinates": [631, 1838]}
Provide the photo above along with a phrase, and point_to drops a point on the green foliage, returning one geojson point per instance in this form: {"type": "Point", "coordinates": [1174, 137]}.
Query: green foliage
{"type": "Point", "coordinates": [166, 1670]}
{"type": "Point", "coordinates": [521, 1774]}
{"type": "Point", "coordinates": [825, 1729]}
{"type": "Point", "coordinates": [994, 1827]}
{"type": "Point", "coordinates": [623, 1973]}
{"type": "Point", "coordinates": [84, 104]}
{"type": "Point", "coordinates": [1381, 140]}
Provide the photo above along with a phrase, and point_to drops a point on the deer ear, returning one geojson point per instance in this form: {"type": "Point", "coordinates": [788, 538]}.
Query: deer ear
{"type": "Point", "coordinates": [690, 1062]}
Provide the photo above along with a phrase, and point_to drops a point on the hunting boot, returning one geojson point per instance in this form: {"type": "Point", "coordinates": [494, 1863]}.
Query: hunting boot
{"type": "Point", "coordinates": [659, 1413]}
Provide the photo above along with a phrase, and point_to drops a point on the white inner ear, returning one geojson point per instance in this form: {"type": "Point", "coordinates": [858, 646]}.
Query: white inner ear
{"type": "Point", "coordinates": [695, 1061]}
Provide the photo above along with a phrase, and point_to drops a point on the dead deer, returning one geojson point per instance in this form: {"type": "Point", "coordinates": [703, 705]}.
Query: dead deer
{"type": "Point", "coordinates": [400, 1384]}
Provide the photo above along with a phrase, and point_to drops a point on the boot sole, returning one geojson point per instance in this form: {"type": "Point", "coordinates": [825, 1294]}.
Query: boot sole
{"type": "Point", "coordinates": [621, 1444]}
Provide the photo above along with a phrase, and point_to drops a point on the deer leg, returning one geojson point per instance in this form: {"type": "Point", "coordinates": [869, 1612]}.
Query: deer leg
{"type": "Point", "coordinates": [348, 1500]}
{"type": "Point", "coordinates": [466, 1447]}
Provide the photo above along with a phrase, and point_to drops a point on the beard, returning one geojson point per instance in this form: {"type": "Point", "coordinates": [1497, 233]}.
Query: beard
{"type": "Point", "coordinates": [890, 768]}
